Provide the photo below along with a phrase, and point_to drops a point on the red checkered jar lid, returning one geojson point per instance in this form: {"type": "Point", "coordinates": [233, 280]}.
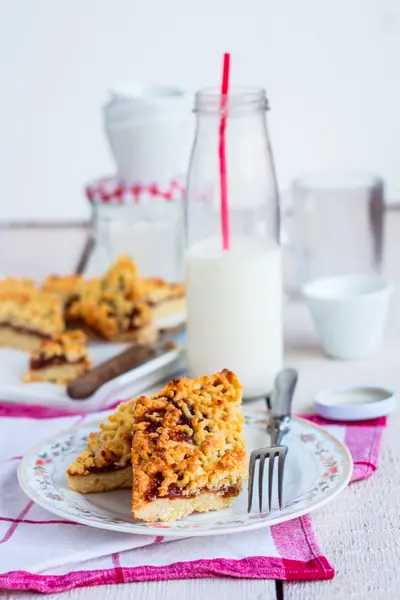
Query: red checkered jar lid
{"type": "Point", "coordinates": [111, 190]}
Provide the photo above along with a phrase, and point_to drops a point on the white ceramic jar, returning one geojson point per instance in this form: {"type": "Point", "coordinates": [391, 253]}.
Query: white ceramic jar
{"type": "Point", "coordinates": [150, 130]}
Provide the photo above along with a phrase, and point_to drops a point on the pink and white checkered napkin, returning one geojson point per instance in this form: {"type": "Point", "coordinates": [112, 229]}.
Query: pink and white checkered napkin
{"type": "Point", "coordinates": [41, 552]}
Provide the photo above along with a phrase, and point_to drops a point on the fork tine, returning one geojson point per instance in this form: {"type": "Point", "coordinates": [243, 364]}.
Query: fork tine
{"type": "Point", "coordinates": [281, 466]}
{"type": "Point", "coordinates": [270, 477]}
{"type": "Point", "coordinates": [253, 458]}
{"type": "Point", "coordinates": [261, 480]}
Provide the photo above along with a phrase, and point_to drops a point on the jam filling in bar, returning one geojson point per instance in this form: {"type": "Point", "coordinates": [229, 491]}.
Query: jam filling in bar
{"type": "Point", "coordinates": [60, 359]}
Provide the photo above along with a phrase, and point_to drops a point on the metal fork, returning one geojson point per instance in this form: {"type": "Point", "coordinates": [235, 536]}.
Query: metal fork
{"type": "Point", "coordinates": [261, 454]}
{"type": "Point", "coordinates": [280, 404]}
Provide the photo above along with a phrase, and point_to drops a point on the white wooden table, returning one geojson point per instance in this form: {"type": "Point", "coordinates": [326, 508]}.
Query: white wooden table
{"type": "Point", "coordinates": [359, 532]}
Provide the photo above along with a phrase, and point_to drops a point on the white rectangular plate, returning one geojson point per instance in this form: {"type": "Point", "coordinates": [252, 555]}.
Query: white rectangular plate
{"type": "Point", "coordinates": [14, 364]}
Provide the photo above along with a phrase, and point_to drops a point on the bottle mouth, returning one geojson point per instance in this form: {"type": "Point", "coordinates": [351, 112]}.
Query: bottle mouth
{"type": "Point", "coordinates": [240, 99]}
{"type": "Point", "coordinates": [337, 181]}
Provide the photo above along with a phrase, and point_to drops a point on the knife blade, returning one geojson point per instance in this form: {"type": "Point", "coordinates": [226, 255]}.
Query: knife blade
{"type": "Point", "coordinates": [134, 356]}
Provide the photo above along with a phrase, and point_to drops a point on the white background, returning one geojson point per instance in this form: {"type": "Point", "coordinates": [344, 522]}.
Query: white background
{"type": "Point", "coordinates": [331, 70]}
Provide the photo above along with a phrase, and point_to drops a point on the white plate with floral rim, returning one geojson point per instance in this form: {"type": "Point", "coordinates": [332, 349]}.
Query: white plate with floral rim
{"type": "Point", "coordinates": [318, 468]}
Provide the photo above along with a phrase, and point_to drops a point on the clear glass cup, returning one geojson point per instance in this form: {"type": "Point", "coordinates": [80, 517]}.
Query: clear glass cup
{"type": "Point", "coordinates": [335, 225]}
{"type": "Point", "coordinates": [235, 295]}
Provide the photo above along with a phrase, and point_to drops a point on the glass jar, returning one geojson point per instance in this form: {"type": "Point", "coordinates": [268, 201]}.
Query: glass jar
{"type": "Point", "coordinates": [234, 295]}
{"type": "Point", "coordinates": [329, 206]}
{"type": "Point", "coordinates": [146, 224]}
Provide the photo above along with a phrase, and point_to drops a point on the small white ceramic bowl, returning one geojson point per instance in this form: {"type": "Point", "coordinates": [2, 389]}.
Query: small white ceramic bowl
{"type": "Point", "coordinates": [357, 403]}
{"type": "Point", "coordinates": [349, 313]}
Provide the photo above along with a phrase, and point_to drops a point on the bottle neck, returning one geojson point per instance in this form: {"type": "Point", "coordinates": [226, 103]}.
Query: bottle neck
{"type": "Point", "coordinates": [249, 169]}
{"type": "Point", "coordinates": [246, 135]}
{"type": "Point", "coordinates": [240, 102]}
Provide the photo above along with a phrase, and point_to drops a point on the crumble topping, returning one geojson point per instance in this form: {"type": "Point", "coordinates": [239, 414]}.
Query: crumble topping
{"type": "Point", "coordinates": [30, 309]}
{"type": "Point", "coordinates": [188, 438]}
{"type": "Point", "coordinates": [111, 446]}
{"type": "Point", "coordinates": [110, 305]}
{"type": "Point", "coordinates": [68, 287]}
{"type": "Point", "coordinates": [188, 435]}
{"type": "Point", "coordinates": [16, 284]}
{"type": "Point", "coordinates": [123, 277]}
{"type": "Point", "coordinates": [111, 313]}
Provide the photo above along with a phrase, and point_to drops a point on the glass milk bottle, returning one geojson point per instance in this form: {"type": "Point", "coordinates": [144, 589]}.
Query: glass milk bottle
{"type": "Point", "coordinates": [234, 293]}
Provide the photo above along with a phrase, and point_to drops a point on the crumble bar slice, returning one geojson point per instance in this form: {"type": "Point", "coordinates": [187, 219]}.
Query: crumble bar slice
{"type": "Point", "coordinates": [28, 316]}
{"type": "Point", "coordinates": [188, 449]}
{"type": "Point", "coordinates": [61, 359]}
{"type": "Point", "coordinates": [105, 464]}
{"type": "Point", "coordinates": [116, 318]}
{"type": "Point", "coordinates": [123, 278]}
{"type": "Point", "coordinates": [163, 298]}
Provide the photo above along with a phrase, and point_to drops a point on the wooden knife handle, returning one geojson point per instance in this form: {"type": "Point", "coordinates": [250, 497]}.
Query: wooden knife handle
{"type": "Point", "coordinates": [87, 384]}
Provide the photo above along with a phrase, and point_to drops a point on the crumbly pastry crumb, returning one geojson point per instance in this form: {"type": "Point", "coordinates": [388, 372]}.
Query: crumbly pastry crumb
{"type": "Point", "coordinates": [60, 359]}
